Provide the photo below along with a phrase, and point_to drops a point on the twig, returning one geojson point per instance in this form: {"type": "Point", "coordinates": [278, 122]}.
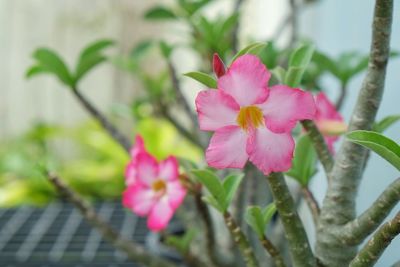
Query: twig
{"type": "Point", "coordinates": [371, 252]}
{"type": "Point", "coordinates": [273, 252]}
{"type": "Point", "coordinates": [320, 145]}
{"type": "Point", "coordinates": [339, 204]}
{"type": "Point", "coordinates": [357, 230]}
{"type": "Point", "coordinates": [240, 240]}
{"type": "Point", "coordinates": [105, 123]}
{"type": "Point", "coordinates": [312, 204]}
{"type": "Point", "coordinates": [300, 249]}
{"type": "Point", "coordinates": [340, 101]}
{"type": "Point", "coordinates": [134, 251]}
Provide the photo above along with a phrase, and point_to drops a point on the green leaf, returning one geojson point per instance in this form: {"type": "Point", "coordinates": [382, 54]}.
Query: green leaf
{"type": "Point", "coordinates": [34, 70]}
{"type": "Point", "coordinates": [166, 49]}
{"type": "Point", "coordinates": [160, 13]}
{"type": "Point", "coordinates": [304, 161]}
{"type": "Point", "coordinates": [203, 78]}
{"type": "Point", "coordinates": [383, 146]}
{"type": "Point", "coordinates": [48, 61]}
{"type": "Point", "coordinates": [231, 184]}
{"type": "Point", "coordinates": [140, 49]}
{"type": "Point", "coordinates": [279, 73]}
{"type": "Point", "coordinates": [213, 185]}
{"type": "Point", "coordinates": [213, 202]}
{"type": "Point", "coordinates": [253, 49]}
{"type": "Point", "coordinates": [385, 123]}
{"type": "Point", "coordinates": [181, 243]}
{"type": "Point", "coordinates": [298, 62]}
{"type": "Point", "coordinates": [268, 212]}
{"type": "Point", "coordinates": [90, 57]}
{"type": "Point", "coordinates": [254, 218]}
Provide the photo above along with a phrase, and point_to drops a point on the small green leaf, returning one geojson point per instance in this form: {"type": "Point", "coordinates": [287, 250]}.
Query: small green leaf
{"type": "Point", "coordinates": [231, 184]}
{"type": "Point", "coordinates": [268, 212]}
{"type": "Point", "coordinates": [253, 49]}
{"type": "Point", "coordinates": [166, 49]}
{"type": "Point", "coordinates": [181, 243]}
{"type": "Point", "coordinates": [213, 202]}
{"type": "Point", "coordinates": [203, 78]}
{"type": "Point", "coordinates": [140, 49]}
{"type": "Point", "coordinates": [383, 146]}
{"type": "Point", "coordinates": [50, 62]}
{"type": "Point", "coordinates": [294, 75]}
{"type": "Point", "coordinates": [304, 161]}
{"type": "Point", "coordinates": [279, 73]}
{"type": "Point", "coordinates": [213, 185]}
{"type": "Point", "coordinates": [254, 218]}
{"type": "Point", "coordinates": [298, 62]}
{"type": "Point", "coordinates": [96, 47]}
{"type": "Point", "coordinates": [34, 70]}
{"type": "Point", "coordinates": [385, 123]}
{"type": "Point", "coordinates": [160, 13]}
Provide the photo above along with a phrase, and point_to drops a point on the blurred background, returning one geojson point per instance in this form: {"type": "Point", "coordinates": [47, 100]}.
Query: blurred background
{"type": "Point", "coordinates": [41, 121]}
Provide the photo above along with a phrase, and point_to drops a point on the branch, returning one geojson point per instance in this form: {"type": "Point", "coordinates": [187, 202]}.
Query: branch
{"type": "Point", "coordinates": [311, 203]}
{"type": "Point", "coordinates": [319, 144]}
{"type": "Point", "coordinates": [273, 252]}
{"type": "Point", "coordinates": [296, 235]}
{"type": "Point", "coordinates": [371, 252]}
{"type": "Point", "coordinates": [134, 251]}
{"type": "Point", "coordinates": [340, 101]}
{"type": "Point", "coordinates": [357, 230]}
{"type": "Point", "coordinates": [339, 203]}
{"type": "Point", "coordinates": [105, 123]}
{"type": "Point", "coordinates": [240, 240]}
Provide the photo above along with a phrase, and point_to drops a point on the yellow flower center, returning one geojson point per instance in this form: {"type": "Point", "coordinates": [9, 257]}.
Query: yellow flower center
{"type": "Point", "coordinates": [250, 117]}
{"type": "Point", "coordinates": [159, 186]}
{"type": "Point", "coordinates": [332, 127]}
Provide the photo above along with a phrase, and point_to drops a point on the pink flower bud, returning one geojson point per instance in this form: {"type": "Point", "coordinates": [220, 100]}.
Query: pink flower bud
{"type": "Point", "coordinates": [218, 66]}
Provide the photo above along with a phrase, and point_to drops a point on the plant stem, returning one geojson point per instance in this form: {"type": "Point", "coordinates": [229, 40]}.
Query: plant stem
{"type": "Point", "coordinates": [371, 252]}
{"type": "Point", "coordinates": [342, 97]}
{"type": "Point", "coordinates": [273, 252]}
{"type": "Point", "coordinates": [357, 230]}
{"type": "Point", "coordinates": [296, 235]}
{"type": "Point", "coordinates": [312, 204]}
{"type": "Point", "coordinates": [339, 203]}
{"type": "Point", "coordinates": [240, 240]}
{"type": "Point", "coordinates": [105, 123]}
{"type": "Point", "coordinates": [320, 145]}
{"type": "Point", "coordinates": [134, 251]}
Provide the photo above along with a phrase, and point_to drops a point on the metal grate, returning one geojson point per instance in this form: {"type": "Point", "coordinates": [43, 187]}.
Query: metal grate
{"type": "Point", "coordinates": [57, 236]}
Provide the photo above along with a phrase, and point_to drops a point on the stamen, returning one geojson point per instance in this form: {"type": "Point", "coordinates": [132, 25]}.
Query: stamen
{"type": "Point", "coordinates": [250, 117]}
{"type": "Point", "coordinates": [159, 185]}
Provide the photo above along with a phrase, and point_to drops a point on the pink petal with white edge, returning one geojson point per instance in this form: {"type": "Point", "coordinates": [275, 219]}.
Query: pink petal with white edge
{"type": "Point", "coordinates": [325, 109]}
{"type": "Point", "coordinates": [130, 173]}
{"type": "Point", "coordinates": [270, 152]}
{"type": "Point", "coordinates": [285, 106]}
{"type": "Point", "coordinates": [168, 169]}
{"type": "Point", "coordinates": [246, 80]}
{"type": "Point", "coordinates": [176, 193]}
{"type": "Point", "coordinates": [147, 168]}
{"type": "Point", "coordinates": [139, 199]}
{"type": "Point", "coordinates": [160, 215]}
{"type": "Point", "coordinates": [227, 148]}
{"type": "Point", "coordinates": [138, 147]}
{"type": "Point", "coordinates": [216, 110]}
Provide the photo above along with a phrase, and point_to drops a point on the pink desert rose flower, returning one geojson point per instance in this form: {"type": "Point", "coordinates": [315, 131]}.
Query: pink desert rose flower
{"type": "Point", "coordinates": [251, 121]}
{"type": "Point", "coordinates": [130, 170]}
{"type": "Point", "coordinates": [156, 191]}
{"type": "Point", "coordinates": [328, 120]}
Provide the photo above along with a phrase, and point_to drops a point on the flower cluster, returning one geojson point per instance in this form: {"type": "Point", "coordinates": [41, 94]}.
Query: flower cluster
{"type": "Point", "coordinates": [153, 188]}
{"type": "Point", "coordinates": [250, 120]}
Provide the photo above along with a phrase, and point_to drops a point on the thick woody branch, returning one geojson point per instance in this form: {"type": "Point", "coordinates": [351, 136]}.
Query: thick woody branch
{"type": "Point", "coordinates": [357, 230]}
{"type": "Point", "coordinates": [105, 123]}
{"type": "Point", "coordinates": [241, 240]}
{"type": "Point", "coordinates": [371, 252]}
{"type": "Point", "coordinates": [273, 252]}
{"type": "Point", "coordinates": [134, 251]}
{"type": "Point", "coordinates": [300, 249]}
{"type": "Point", "coordinates": [339, 204]}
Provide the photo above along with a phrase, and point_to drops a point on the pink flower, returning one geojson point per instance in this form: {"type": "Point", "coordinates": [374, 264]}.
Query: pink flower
{"type": "Point", "coordinates": [130, 170]}
{"type": "Point", "coordinates": [328, 120]}
{"type": "Point", "coordinates": [156, 191]}
{"type": "Point", "coordinates": [250, 120]}
{"type": "Point", "coordinates": [218, 66]}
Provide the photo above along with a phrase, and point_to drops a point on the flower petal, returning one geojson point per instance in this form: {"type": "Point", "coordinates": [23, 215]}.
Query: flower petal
{"type": "Point", "coordinates": [130, 173]}
{"type": "Point", "coordinates": [176, 193]}
{"type": "Point", "coordinates": [140, 199]}
{"type": "Point", "coordinates": [160, 215]}
{"type": "Point", "coordinates": [147, 168]}
{"type": "Point", "coordinates": [227, 148]}
{"type": "Point", "coordinates": [216, 110]}
{"type": "Point", "coordinates": [325, 109]}
{"type": "Point", "coordinates": [138, 147]}
{"type": "Point", "coordinates": [168, 169]}
{"type": "Point", "coordinates": [246, 80]}
{"type": "Point", "coordinates": [285, 106]}
{"type": "Point", "coordinates": [270, 152]}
